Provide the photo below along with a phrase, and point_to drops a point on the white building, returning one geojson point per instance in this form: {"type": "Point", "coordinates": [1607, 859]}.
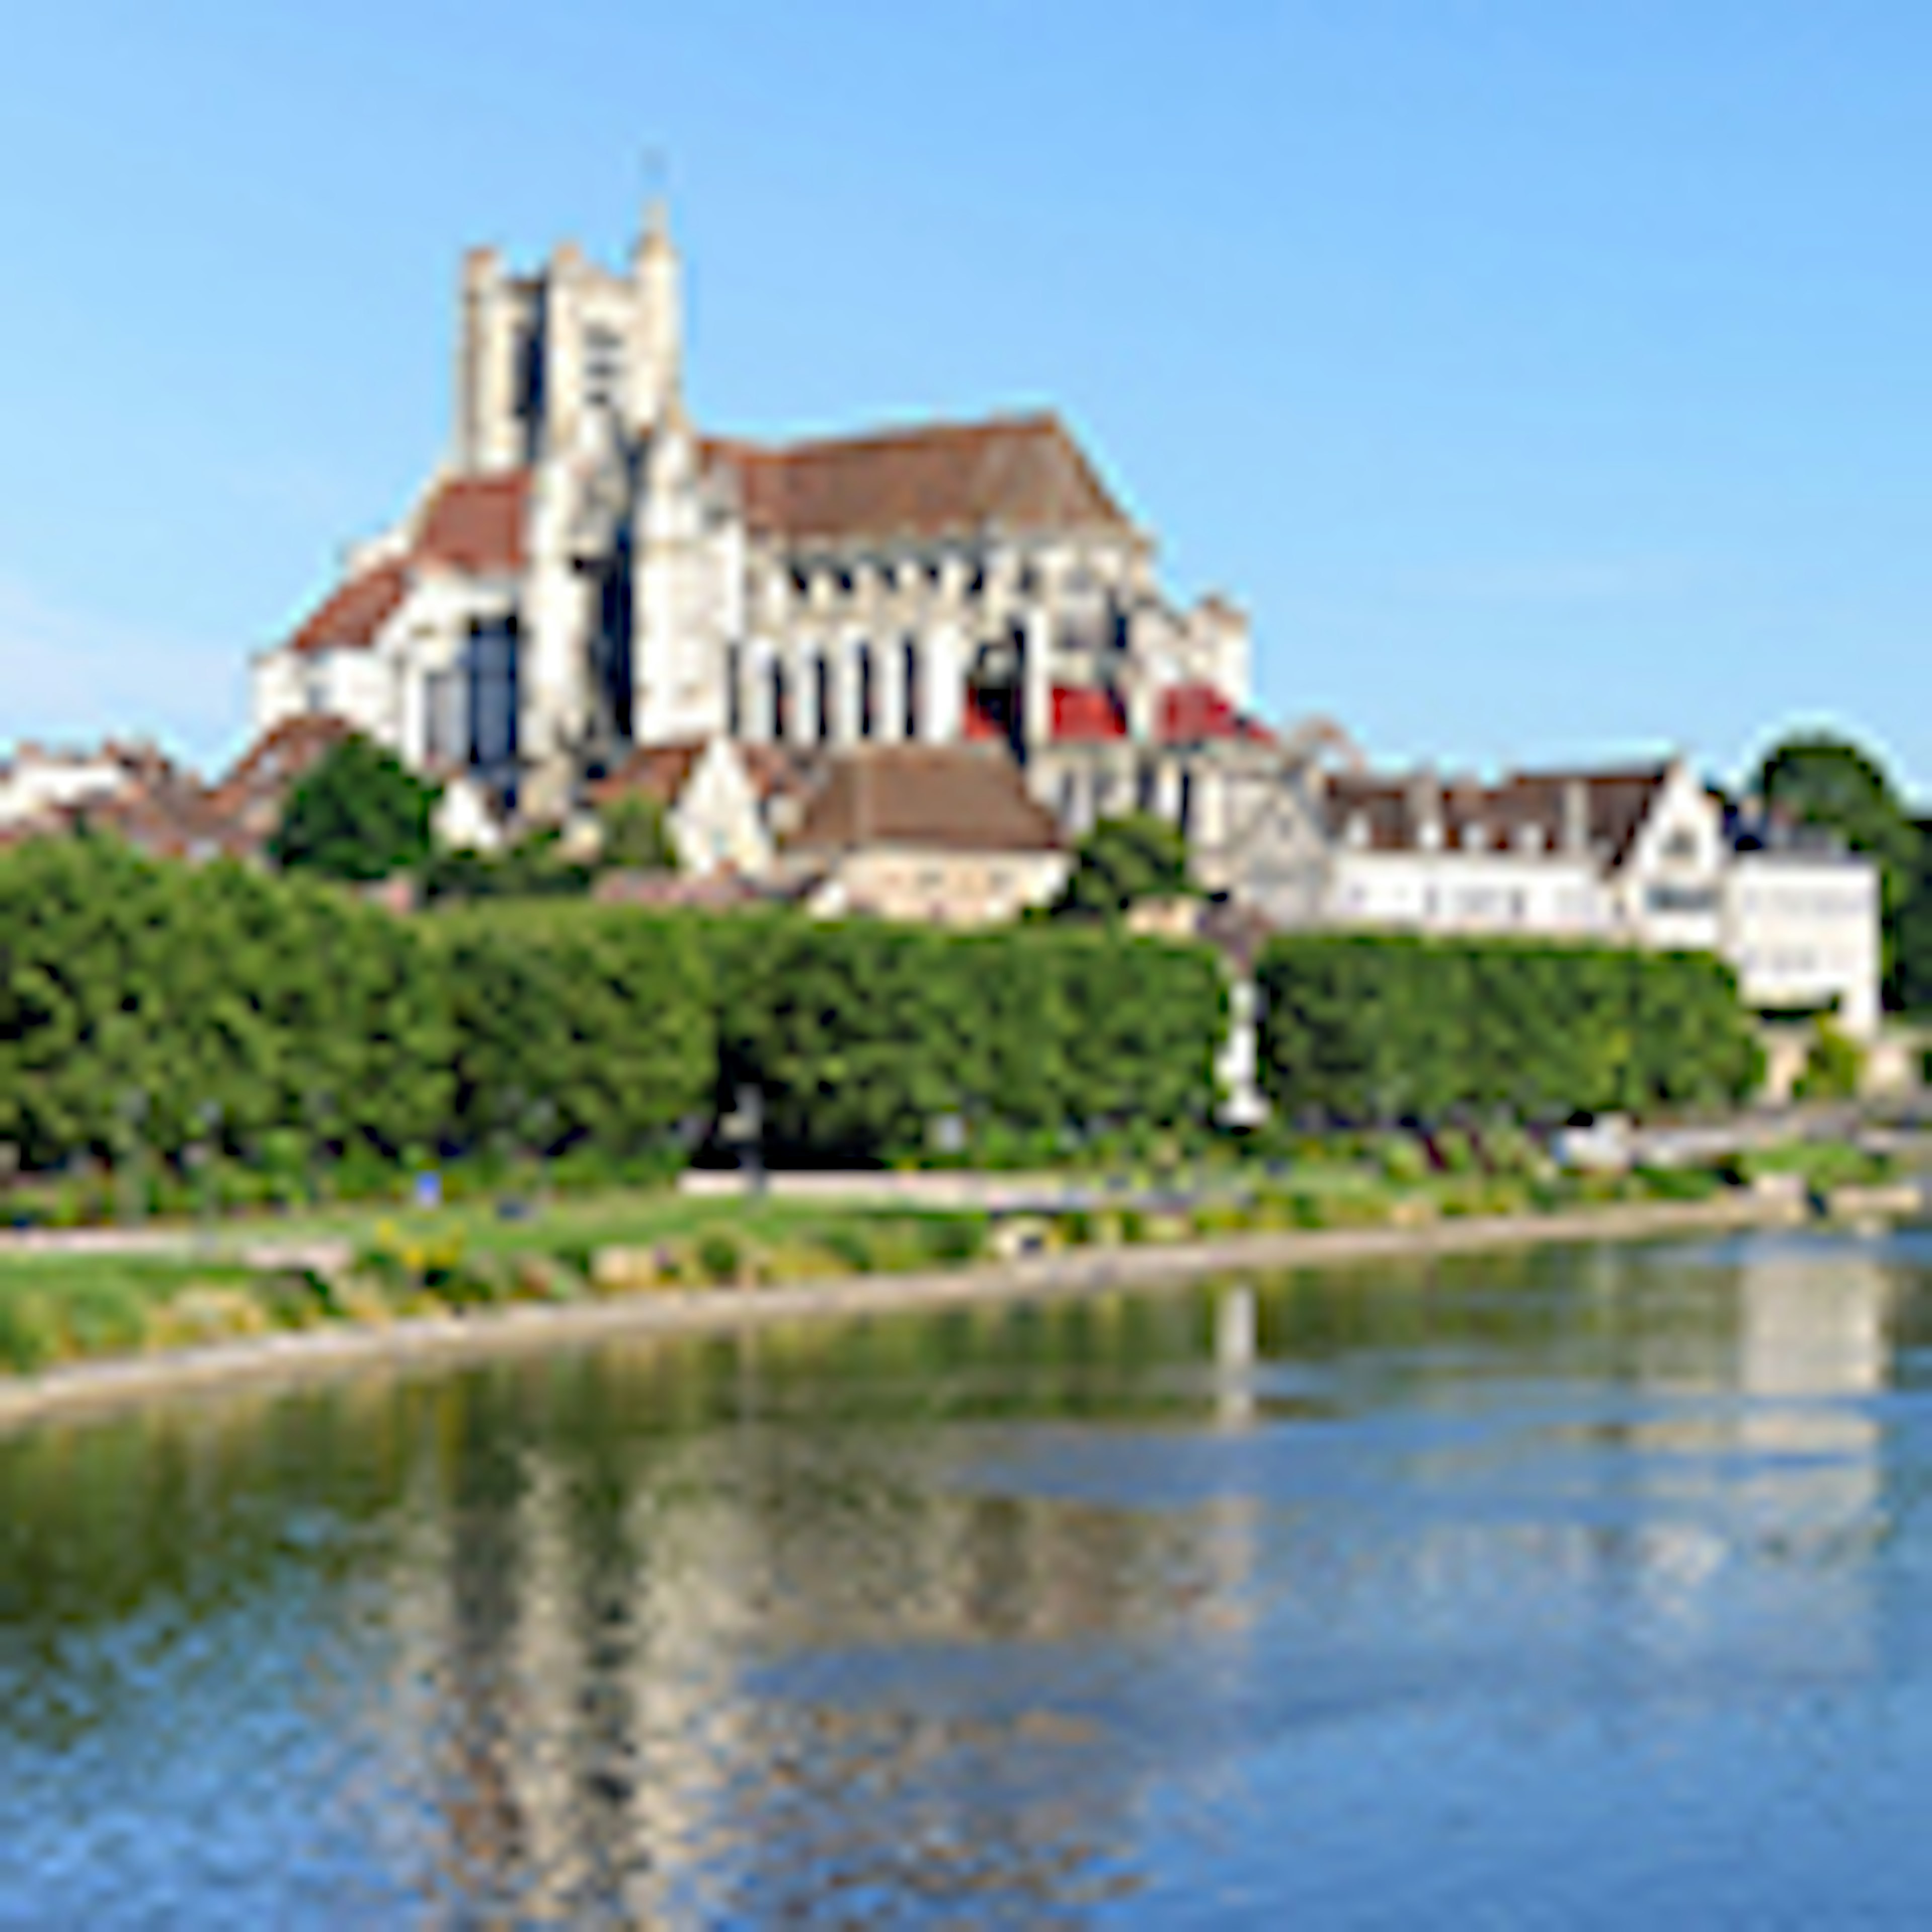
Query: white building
{"type": "Point", "coordinates": [588, 573]}
{"type": "Point", "coordinates": [1644, 857]}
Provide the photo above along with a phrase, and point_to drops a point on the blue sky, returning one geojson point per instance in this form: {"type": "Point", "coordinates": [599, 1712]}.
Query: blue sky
{"type": "Point", "coordinates": [1548, 380]}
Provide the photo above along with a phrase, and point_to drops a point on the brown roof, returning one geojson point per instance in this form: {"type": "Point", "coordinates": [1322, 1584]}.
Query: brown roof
{"type": "Point", "coordinates": [168, 816]}
{"type": "Point", "coordinates": [1020, 472]}
{"type": "Point", "coordinates": [259, 781]}
{"type": "Point", "coordinates": [475, 523]}
{"type": "Point", "coordinates": [1616, 804]}
{"type": "Point", "coordinates": [659, 771]}
{"type": "Point", "coordinates": [955, 798]}
{"type": "Point", "coordinates": [356, 610]}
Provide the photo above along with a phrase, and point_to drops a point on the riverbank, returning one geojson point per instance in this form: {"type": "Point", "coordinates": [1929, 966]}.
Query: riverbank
{"type": "Point", "coordinates": [424, 1343]}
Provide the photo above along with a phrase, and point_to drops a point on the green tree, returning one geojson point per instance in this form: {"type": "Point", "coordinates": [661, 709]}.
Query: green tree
{"type": "Point", "coordinates": [1829, 781]}
{"type": "Point", "coordinates": [534, 868]}
{"type": "Point", "coordinates": [356, 814]}
{"type": "Point", "coordinates": [1913, 968]}
{"type": "Point", "coordinates": [635, 835]}
{"type": "Point", "coordinates": [1122, 861]}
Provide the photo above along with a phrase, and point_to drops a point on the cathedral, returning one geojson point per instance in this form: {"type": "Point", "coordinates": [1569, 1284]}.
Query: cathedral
{"type": "Point", "coordinates": [590, 575]}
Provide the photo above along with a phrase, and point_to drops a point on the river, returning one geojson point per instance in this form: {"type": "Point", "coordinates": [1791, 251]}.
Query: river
{"type": "Point", "coordinates": [1571, 1587]}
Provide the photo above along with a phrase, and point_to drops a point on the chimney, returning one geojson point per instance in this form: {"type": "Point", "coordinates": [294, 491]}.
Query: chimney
{"type": "Point", "coordinates": [1576, 816]}
{"type": "Point", "coordinates": [1425, 811]}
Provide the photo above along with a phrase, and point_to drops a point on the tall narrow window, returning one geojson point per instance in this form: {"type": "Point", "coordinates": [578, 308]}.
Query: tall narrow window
{"type": "Point", "coordinates": [781, 704]}
{"type": "Point", "coordinates": [734, 669]}
{"type": "Point", "coordinates": [492, 695]}
{"type": "Point", "coordinates": [821, 696]}
{"type": "Point", "coordinates": [865, 674]}
{"type": "Point", "coordinates": [1187, 801]}
{"type": "Point", "coordinates": [911, 720]}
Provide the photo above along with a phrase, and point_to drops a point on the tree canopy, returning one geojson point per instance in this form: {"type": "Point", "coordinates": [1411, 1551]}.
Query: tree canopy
{"type": "Point", "coordinates": [357, 813]}
{"type": "Point", "coordinates": [1122, 861]}
{"type": "Point", "coordinates": [1829, 781]}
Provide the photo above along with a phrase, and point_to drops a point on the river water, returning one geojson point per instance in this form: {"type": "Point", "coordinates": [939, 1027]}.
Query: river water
{"type": "Point", "coordinates": [1577, 1587]}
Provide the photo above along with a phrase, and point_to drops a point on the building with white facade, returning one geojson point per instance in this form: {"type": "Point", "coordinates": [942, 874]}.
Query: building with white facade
{"type": "Point", "coordinates": [1645, 857]}
{"type": "Point", "coordinates": [590, 572]}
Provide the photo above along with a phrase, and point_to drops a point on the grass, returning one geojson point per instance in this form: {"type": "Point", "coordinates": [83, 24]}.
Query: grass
{"type": "Point", "coordinates": [60, 1308]}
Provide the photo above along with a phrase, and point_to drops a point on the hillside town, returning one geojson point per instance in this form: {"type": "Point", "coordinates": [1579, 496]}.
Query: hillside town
{"type": "Point", "coordinates": [900, 674]}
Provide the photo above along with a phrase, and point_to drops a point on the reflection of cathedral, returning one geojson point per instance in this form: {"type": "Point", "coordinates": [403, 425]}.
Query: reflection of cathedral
{"type": "Point", "coordinates": [590, 572]}
{"type": "Point", "coordinates": [622, 1672]}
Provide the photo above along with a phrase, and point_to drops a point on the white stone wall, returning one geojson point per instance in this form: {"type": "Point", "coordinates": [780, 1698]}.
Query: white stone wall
{"type": "Point", "coordinates": [716, 822]}
{"type": "Point", "coordinates": [1462, 892]}
{"type": "Point", "coordinates": [1804, 930]}
{"type": "Point", "coordinates": [1670, 887]}
{"type": "Point", "coordinates": [940, 888]}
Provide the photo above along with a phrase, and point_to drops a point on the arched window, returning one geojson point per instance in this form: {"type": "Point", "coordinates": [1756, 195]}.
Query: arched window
{"type": "Point", "coordinates": [867, 724]}
{"type": "Point", "coordinates": [910, 722]}
{"type": "Point", "coordinates": [734, 708]}
{"type": "Point", "coordinates": [821, 696]}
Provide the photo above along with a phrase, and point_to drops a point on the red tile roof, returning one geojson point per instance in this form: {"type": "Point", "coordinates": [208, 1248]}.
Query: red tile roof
{"type": "Point", "coordinates": [1082, 713]}
{"type": "Point", "coordinates": [355, 611]}
{"type": "Point", "coordinates": [659, 771]}
{"type": "Point", "coordinates": [475, 524]}
{"type": "Point", "coordinates": [1190, 711]}
{"type": "Point", "coordinates": [942, 479]}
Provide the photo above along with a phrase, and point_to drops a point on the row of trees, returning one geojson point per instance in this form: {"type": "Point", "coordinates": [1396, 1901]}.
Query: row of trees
{"type": "Point", "coordinates": [176, 1009]}
{"type": "Point", "coordinates": [1385, 1028]}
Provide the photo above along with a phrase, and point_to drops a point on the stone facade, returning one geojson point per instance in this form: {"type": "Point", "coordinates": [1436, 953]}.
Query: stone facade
{"type": "Point", "coordinates": [589, 574]}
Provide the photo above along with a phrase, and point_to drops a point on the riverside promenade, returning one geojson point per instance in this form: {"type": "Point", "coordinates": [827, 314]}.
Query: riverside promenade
{"type": "Point", "coordinates": [423, 1344]}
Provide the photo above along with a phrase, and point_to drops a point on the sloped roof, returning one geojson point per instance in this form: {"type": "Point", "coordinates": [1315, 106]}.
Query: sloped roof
{"type": "Point", "coordinates": [659, 772]}
{"type": "Point", "coordinates": [1082, 713]}
{"type": "Point", "coordinates": [939, 479]}
{"type": "Point", "coordinates": [1192, 711]}
{"type": "Point", "coordinates": [473, 524]}
{"type": "Point", "coordinates": [476, 523]}
{"type": "Point", "coordinates": [354, 612]}
{"type": "Point", "coordinates": [1615, 804]}
{"type": "Point", "coordinates": [951, 798]}
{"type": "Point", "coordinates": [256, 785]}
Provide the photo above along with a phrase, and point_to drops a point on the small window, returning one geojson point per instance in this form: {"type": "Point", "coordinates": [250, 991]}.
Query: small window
{"type": "Point", "coordinates": [911, 720]}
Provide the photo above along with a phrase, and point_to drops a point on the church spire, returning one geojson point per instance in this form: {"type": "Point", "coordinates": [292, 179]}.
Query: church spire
{"type": "Point", "coordinates": [657, 337]}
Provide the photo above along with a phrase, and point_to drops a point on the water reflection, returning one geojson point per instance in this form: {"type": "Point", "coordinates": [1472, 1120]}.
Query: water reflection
{"type": "Point", "coordinates": [1006, 1616]}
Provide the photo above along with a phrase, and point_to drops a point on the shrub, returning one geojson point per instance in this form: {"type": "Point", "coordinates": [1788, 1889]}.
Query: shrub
{"type": "Point", "coordinates": [1834, 1065]}
{"type": "Point", "coordinates": [1365, 1028]}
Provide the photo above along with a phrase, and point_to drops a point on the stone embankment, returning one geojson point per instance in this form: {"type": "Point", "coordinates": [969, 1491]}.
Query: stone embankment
{"type": "Point", "coordinates": [430, 1342]}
